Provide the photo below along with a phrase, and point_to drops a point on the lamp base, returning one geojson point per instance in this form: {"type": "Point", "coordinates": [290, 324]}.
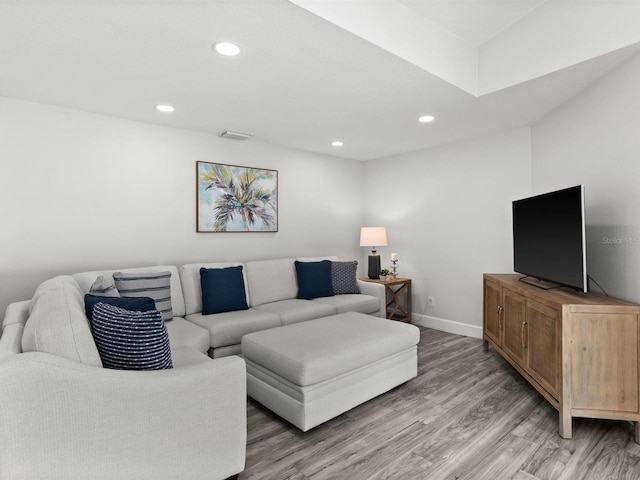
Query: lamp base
{"type": "Point", "coordinates": [374, 267]}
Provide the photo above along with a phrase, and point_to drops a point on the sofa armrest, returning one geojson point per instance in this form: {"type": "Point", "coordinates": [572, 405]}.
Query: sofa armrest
{"type": "Point", "coordinates": [63, 419]}
{"type": "Point", "coordinates": [15, 318]}
{"type": "Point", "coordinates": [375, 290]}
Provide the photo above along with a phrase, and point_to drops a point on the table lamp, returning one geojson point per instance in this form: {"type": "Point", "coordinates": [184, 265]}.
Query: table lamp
{"type": "Point", "coordinates": [373, 237]}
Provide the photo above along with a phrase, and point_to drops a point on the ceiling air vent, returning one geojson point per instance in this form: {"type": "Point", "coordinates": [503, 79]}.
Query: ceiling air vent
{"type": "Point", "coordinates": [234, 135]}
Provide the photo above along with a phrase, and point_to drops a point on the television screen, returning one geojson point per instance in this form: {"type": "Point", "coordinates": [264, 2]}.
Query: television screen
{"type": "Point", "coordinates": [549, 237]}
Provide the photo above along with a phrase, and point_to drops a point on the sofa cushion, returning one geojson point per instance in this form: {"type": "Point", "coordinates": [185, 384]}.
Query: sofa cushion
{"type": "Point", "coordinates": [185, 356]}
{"type": "Point", "coordinates": [296, 310]}
{"type": "Point", "coordinates": [352, 303]}
{"type": "Point", "coordinates": [222, 290]}
{"type": "Point", "coordinates": [317, 259]}
{"type": "Point", "coordinates": [57, 323]}
{"type": "Point", "coordinates": [192, 288]}
{"type": "Point", "coordinates": [183, 333]}
{"type": "Point", "coordinates": [139, 304]}
{"type": "Point", "coordinates": [228, 328]}
{"type": "Point", "coordinates": [85, 279]}
{"type": "Point", "coordinates": [129, 340]}
{"type": "Point", "coordinates": [343, 277]}
{"type": "Point", "coordinates": [55, 285]}
{"type": "Point", "coordinates": [314, 279]}
{"type": "Point", "coordinates": [156, 285]}
{"type": "Point", "coordinates": [271, 281]}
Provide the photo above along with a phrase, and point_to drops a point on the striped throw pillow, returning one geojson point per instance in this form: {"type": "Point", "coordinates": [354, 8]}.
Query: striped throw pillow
{"type": "Point", "coordinates": [103, 288]}
{"type": "Point", "coordinates": [156, 285]}
{"type": "Point", "coordinates": [129, 340]}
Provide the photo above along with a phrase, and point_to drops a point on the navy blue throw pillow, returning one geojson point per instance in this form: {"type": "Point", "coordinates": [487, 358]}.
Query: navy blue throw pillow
{"type": "Point", "coordinates": [128, 340]}
{"type": "Point", "coordinates": [136, 304]}
{"type": "Point", "coordinates": [314, 279]}
{"type": "Point", "coordinates": [222, 290]}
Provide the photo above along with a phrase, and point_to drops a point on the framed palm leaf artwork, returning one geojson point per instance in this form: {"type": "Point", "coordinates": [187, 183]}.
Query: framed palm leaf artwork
{"type": "Point", "coordinates": [231, 198]}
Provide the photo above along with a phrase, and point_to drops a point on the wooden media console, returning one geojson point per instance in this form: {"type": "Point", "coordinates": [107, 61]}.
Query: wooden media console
{"type": "Point", "coordinates": [579, 350]}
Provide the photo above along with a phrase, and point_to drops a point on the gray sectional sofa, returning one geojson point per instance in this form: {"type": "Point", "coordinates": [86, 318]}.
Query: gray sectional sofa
{"type": "Point", "coordinates": [64, 416]}
{"type": "Point", "coordinates": [271, 288]}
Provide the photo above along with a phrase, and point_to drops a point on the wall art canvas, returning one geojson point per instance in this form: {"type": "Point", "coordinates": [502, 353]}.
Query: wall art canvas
{"type": "Point", "coordinates": [231, 198]}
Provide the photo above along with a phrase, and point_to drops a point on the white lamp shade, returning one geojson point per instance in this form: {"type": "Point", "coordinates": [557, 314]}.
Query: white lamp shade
{"type": "Point", "coordinates": [373, 237]}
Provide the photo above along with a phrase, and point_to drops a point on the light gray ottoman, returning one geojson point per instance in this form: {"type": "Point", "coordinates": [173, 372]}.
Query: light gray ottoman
{"type": "Point", "coordinates": [312, 371]}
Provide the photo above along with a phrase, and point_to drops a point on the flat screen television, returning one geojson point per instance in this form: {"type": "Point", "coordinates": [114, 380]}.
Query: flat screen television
{"type": "Point", "coordinates": [549, 237]}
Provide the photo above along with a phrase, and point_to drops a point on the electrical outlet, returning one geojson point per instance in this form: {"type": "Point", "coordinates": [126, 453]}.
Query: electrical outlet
{"type": "Point", "coordinates": [431, 302]}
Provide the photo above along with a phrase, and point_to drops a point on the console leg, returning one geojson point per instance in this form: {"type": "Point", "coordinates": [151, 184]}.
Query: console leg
{"type": "Point", "coordinates": [485, 345]}
{"type": "Point", "coordinates": [566, 428]}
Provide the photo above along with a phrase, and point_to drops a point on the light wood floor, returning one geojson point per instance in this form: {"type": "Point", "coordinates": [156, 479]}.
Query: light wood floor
{"type": "Point", "coordinates": [468, 415]}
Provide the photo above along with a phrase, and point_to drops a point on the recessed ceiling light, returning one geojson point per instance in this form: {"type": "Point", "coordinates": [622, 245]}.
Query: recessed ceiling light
{"type": "Point", "coordinates": [337, 143]}
{"type": "Point", "coordinates": [426, 118]}
{"type": "Point", "coordinates": [165, 108]}
{"type": "Point", "coordinates": [227, 49]}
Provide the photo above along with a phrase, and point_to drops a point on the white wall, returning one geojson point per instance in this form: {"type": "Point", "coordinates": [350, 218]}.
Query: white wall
{"type": "Point", "coordinates": [80, 191]}
{"type": "Point", "coordinates": [448, 216]}
{"type": "Point", "coordinates": [595, 140]}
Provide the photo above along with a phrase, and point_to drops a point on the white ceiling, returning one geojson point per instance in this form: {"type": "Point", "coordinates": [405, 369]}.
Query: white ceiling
{"type": "Point", "coordinates": [303, 81]}
{"type": "Point", "coordinates": [475, 21]}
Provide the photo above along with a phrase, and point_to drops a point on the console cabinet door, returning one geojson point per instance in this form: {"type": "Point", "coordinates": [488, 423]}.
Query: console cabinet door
{"type": "Point", "coordinates": [542, 345]}
{"type": "Point", "coordinates": [492, 312]}
{"type": "Point", "coordinates": [514, 318]}
{"type": "Point", "coordinates": [604, 361]}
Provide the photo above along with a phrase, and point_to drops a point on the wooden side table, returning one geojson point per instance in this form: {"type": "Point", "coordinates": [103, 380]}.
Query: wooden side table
{"type": "Point", "coordinates": [396, 290]}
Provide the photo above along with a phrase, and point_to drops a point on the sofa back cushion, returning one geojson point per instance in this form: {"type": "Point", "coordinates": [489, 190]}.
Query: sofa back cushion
{"type": "Point", "coordinates": [57, 323]}
{"type": "Point", "coordinates": [191, 287]}
{"type": "Point", "coordinates": [317, 259]}
{"type": "Point", "coordinates": [86, 279]}
{"type": "Point", "coordinates": [271, 280]}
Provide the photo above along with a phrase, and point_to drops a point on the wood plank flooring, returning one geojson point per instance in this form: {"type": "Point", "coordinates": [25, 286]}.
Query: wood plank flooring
{"type": "Point", "coordinates": [467, 416]}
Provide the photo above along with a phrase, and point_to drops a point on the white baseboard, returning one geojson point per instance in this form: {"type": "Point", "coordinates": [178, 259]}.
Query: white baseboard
{"type": "Point", "coordinates": [448, 326]}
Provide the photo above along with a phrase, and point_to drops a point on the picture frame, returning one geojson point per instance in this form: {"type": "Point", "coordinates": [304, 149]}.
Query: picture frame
{"type": "Point", "coordinates": [233, 198]}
